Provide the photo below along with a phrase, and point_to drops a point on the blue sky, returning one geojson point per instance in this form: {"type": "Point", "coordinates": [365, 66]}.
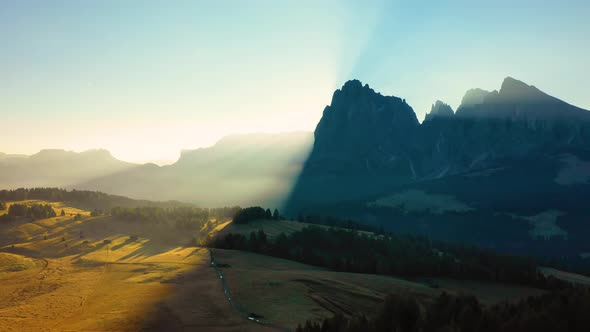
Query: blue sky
{"type": "Point", "coordinates": [146, 79]}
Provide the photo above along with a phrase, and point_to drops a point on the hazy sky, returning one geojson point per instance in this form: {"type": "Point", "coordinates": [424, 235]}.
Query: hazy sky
{"type": "Point", "coordinates": [145, 79]}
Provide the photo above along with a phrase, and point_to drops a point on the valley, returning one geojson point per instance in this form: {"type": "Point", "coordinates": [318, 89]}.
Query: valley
{"type": "Point", "coordinates": [98, 273]}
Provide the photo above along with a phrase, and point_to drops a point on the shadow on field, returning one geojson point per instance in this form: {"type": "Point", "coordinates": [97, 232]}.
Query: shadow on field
{"type": "Point", "coordinates": [197, 303]}
{"type": "Point", "coordinates": [149, 248]}
{"type": "Point", "coordinates": [138, 277]}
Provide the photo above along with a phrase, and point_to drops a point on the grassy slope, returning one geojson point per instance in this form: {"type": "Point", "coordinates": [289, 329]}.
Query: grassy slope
{"type": "Point", "coordinates": [287, 292]}
{"type": "Point", "coordinates": [10, 263]}
{"type": "Point", "coordinates": [272, 228]}
{"type": "Point", "coordinates": [92, 286]}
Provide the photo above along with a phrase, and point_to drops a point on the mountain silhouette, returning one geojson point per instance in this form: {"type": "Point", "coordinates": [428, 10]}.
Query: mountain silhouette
{"type": "Point", "coordinates": [243, 169]}
{"type": "Point", "coordinates": [499, 157]}
{"type": "Point", "coordinates": [55, 167]}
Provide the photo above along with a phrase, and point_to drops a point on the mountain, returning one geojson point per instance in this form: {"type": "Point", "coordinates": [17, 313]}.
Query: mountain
{"type": "Point", "coordinates": [56, 168]}
{"type": "Point", "coordinates": [363, 131]}
{"type": "Point", "coordinates": [439, 110]}
{"type": "Point", "coordinates": [510, 169]}
{"type": "Point", "coordinates": [519, 101]}
{"type": "Point", "coordinates": [238, 170]}
{"type": "Point", "coordinates": [244, 169]}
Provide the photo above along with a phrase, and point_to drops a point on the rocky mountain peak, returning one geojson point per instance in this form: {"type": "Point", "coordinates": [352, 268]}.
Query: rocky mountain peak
{"type": "Point", "coordinates": [473, 97]}
{"type": "Point", "coordinates": [360, 125]}
{"type": "Point", "coordinates": [439, 110]}
{"type": "Point", "coordinates": [513, 90]}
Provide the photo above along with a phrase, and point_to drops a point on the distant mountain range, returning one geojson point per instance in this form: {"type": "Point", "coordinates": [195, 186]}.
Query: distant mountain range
{"type": "Point", "coordinates": [510, 169]}
{"type": "Point", "coordinates": [238, 170]}
{"type": "Point", "coordinates": [57, 168]}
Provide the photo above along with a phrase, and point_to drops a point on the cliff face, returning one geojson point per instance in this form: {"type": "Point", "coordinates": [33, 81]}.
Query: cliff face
{"type": "Point", "coordinates": [519, 120]}
{"type": "Point", "coordinates": [363, 131]}
{"type": "Point", "coordinates": [370, 141]}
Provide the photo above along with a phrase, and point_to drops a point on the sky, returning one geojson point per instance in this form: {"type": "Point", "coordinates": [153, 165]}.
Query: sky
{"type": "Point", "coordinates": [146, 79]}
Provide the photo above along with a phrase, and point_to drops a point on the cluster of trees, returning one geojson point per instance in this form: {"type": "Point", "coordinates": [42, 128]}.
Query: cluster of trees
{"type": "Point", "coordinates": [243, 216]}
{"type": "Point", "coordinates": [34, 211]}
{"type": "Point", "coordinates": [406, 256]}
{"type": "Point", "coordinates": [256, 242]}
{"type": "Point", "coordinates": [187, 218]}
{"type": "Point", "coordinates": [566, 310]}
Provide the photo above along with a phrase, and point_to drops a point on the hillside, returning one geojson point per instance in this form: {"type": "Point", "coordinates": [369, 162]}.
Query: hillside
{"type": "Point", "coordinates": [286, 292]}
{"type": "Point", "coordinates": [91, 273]}
{"type": "Point", "coordinates": [272, 228]}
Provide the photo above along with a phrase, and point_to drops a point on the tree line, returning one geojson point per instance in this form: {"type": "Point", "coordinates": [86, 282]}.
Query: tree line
{"type": "Point", "coordinates": [405, 256]}
{"type": "Point", "coordinates": [100, 203]}
{"type": "Point", "coordinates": [34, 211]}
{"type": "Point", "coordinates": [188, 218]}
{"type": "Point", "coordinates": [243, 216]}
{"type": "Point", "coordinates": [88, 199]}
{"type": "Point", "coordinates": [564, 310]}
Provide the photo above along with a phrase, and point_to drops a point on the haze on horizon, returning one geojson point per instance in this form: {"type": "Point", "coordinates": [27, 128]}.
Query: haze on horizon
{"type": "Point", "coordinates": [147, 79]}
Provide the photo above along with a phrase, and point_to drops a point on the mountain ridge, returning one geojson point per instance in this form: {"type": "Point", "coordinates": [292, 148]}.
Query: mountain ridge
{"type": "Point", "coordinates": [502, 156]}
{"type": "Point", "coordinates": [486, 127]}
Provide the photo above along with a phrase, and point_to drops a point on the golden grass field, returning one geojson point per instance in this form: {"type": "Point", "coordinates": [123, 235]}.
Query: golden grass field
{"type": "Point", "coordinates": [57, 274]}
{"type": "Point", "coordinates": [151, 284]}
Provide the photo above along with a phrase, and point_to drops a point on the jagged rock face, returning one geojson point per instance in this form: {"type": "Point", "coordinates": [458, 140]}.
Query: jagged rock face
{"type": "Point", "coordinates": [520, 119]}
{"type": "Point", "coordinates": [439, 110]}
{"type": "Point", "coordinates": [362, 130]}
{"type": "Point", "coordinates": [363, 134]}
{"type": "Point", "coordinates": [515, 121]}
